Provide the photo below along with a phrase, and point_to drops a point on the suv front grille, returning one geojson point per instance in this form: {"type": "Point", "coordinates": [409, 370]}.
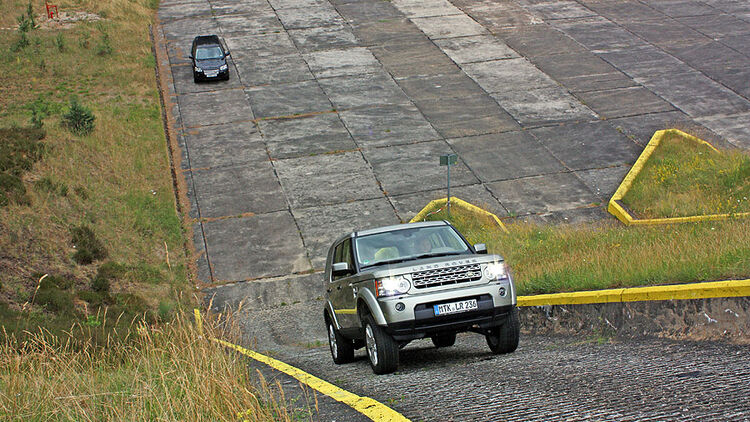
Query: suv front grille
{"type": "Point", "coordinates": [443, 276]}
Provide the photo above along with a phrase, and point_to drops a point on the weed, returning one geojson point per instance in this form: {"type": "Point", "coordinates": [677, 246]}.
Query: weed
{"type": "Point", "coordinates": [12, 190]}
{"type": "Point", "coordinates": [79, 119]}
{"type": "Point", "coordinates": [104, 48]}
{"type": "Point", "coordinates": [46, 184]}
{"type": "Point", "coordinates": [60, 42]}
{"type": "Point", "coordinates": [54, 299]}
{"type": "Point", "coordinates": [83, 40]}
{"type": "Point", "coordinates": [88, 247]}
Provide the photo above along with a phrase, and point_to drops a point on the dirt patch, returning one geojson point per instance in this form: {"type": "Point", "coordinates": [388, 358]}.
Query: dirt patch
{"type": "Point", "coordinates": [67, 19]}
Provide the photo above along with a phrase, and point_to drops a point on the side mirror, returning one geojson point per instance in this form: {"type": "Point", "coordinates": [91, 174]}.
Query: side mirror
{"type": "Point", "coordinates": [190, 57]}
{"type": "Point", "coordinates": [480, 248]}
{"type": "Point", "coordinates": [340, 268]}
{"type": "Point", "coordinates": [226, 54]}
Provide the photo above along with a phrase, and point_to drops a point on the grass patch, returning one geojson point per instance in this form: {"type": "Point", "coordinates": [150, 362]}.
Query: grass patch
{"type": "Point", "coordinates": [551, 259]}
{"type": "Point", "coordinates": [685, 178]}
{"type": "Point", "coordinates": [84, 171]}
{"type": "Point", "coordinates": [170, 372]}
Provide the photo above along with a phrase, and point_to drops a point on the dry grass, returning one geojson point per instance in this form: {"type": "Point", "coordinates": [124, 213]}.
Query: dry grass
{"type": "Point", "coordinates": [117, 178]}
{"type": "Point", "coordinates": [549, 259]}
{"type": "Point", "coordinates": [684, 178]}
{"type": "Point", "coordinates": [168, 372]}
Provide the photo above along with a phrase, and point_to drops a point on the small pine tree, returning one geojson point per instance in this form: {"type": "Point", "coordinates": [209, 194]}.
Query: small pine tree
{"type": "Point", "coordinates": [79, 119]}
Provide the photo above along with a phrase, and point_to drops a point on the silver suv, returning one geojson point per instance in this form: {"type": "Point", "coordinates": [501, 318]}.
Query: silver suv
{"type": "Point", "coordinates": [390, 285]}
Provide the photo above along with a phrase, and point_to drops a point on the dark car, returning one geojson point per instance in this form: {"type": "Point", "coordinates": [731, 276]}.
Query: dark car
{"type": "Point", "coordinates": [209, 58]}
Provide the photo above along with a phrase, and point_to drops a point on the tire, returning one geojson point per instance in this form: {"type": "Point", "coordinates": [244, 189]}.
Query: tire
{"type": "Point", "coordinates": [196, 79]}
{"type": "Point", "coordinates": [444, 339]}
{"type": "Point", "coordinates": [382, 350]}
{"type": "Point", "coordinates": [504, 339]}
{"type": "Point", "coordinates": [342, 349]}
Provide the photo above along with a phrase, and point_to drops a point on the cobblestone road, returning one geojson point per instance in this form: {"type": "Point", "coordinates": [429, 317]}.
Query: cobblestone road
{"type": "Point", "coordinates": [555, 378]}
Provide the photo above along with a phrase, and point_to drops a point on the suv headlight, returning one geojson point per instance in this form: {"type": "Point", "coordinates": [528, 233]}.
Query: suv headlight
{"type": "Point", "coordinates": [496, 271]}
{"type": "Point", "coordinates": [223, 67]}
{"type": "Point", "coordinates": [392, 286]}
{"type": "Point", "coordinates": [198, 69]}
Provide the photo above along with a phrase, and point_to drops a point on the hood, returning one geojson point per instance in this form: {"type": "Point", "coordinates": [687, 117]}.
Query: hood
{"type": "Point", "coordinates": [210, 63]}
{"type": "Point", "coordinates": [430, 264]}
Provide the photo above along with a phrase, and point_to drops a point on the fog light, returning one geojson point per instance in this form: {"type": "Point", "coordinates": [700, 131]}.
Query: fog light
{"type": "Point", "coordinates": [400, 306]}
{"type": "Point", "coordinates": [502, 291]}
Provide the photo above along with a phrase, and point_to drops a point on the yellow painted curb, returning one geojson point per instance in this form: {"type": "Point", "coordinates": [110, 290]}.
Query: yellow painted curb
{"type": "Point", "coordinates": [729, 288]}
{"type": "Point", "coordinates": [461, 204]}
{"type": "Point", "coordinates": [623, 215]}
{"type": "Point", "coordinates": [370, 408]}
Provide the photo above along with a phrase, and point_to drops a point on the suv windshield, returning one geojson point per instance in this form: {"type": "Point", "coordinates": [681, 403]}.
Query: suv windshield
{"type": "Point", "coordinates": [208, 53]}
{"type": "Point", "coordinates": [413, 243]}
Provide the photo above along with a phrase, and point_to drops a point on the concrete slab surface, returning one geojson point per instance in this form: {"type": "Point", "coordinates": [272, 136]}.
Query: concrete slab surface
{"type": "Point", "coordinates": [232, 191]}
{"type": "Point", "coordinates": [253, 247]}
{"type": "Point", "coordinates": [542, 194]}
{"type": "Point", "coordinates": [352, 101]}
{"type": "Point", "coordinates": [323, 38]}
{"type": "Point", "coordinates": [538, 107]}
{"type": "Point", "coordinates": [450, 26]}
{"type": "Point", "coordinates": [479, 48]}
{"type": "Point", "coordinates": [327, 179]}
{"type": "Point", "coordinates": [377, 88]}
{"type": "Point", "coordinates": [223, 145]}
{"type": "Point", "coordinates": [288, 99]}
{"type": "Point", "coordinates": [588, 145]}
{"type": "Point", "coordinates": [398, 167]}
{"type": "Point", "coordinates": [506, 156]}
{"type": "Point", "coordinates": [342, 62]}
{"type": "Point", "coordinates": [387, 125]}
{"type": "Point", "coordinates": [318, 134]}
{"type": "Point", "coordinates": [215, 107]}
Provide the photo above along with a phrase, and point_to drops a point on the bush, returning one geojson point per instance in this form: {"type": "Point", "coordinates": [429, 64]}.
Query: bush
{"type": "Point", "coordinates": [89, 248]}
{"type": "Point", "coordinates": [55, 300]}
{"type": "Point", "coordinates": [46, 184]}
{"type": "Point", "coordinates": [100, 284]}
{"type": "Point", "coordinates": [19, 149]}
{"type": "Point", "coordinates": [55, 282]}
{"type": "Point", "coordinates": [79, 119]}
{"type": "Point", "coordinates": [104, 48]}
{"type": "Point", "coordinates": [12, 190]}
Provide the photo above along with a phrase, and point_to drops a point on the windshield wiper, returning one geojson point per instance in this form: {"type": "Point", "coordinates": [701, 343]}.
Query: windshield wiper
{"type": "Point", "coordinates": [390, 261]}
{"type": "Point", "coordinates": [430, 255]}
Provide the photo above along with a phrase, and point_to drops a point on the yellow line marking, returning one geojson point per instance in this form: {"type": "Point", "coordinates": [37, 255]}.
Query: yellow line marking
{"type": "Point", "coordinates": [460, 203]}
{"type": "Point", "coordinates": [623, 215]}
{"type": "Point", "coordinates": [346, 311]}
{"type": "Point", "coordinates": [371, 408]}
{"type": "Point", "coordinates": [729, 288]}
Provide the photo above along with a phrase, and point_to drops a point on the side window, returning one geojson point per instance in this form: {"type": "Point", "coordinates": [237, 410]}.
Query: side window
{"type": "Point", "coordinates": [346, 254]}
{"type": "Point", "coordinates": [343, 253]}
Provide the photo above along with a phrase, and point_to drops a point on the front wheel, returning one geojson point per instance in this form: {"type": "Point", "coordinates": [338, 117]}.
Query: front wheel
{"type": "Point", "coordinates": [382, 350]}
{"type": "Point", "coordinates": [342, 349]}
{"type": "Point", "coordinates": [504, 339]}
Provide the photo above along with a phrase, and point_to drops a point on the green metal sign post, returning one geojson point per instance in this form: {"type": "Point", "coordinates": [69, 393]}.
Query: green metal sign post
{"type": "Point", "coordinates": [449, 160]}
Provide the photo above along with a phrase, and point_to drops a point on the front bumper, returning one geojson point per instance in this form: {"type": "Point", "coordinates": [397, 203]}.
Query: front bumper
{"type": "Point", "coordinates": [425, 323]}
{"type": "Point", "coordinates": [221, 74]}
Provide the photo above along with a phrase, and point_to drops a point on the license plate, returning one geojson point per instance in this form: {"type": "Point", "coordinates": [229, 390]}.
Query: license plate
{"type": "Point", "coordinates": [455, 307]}
{"type": "Point", "coordinates": [212, 74]}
